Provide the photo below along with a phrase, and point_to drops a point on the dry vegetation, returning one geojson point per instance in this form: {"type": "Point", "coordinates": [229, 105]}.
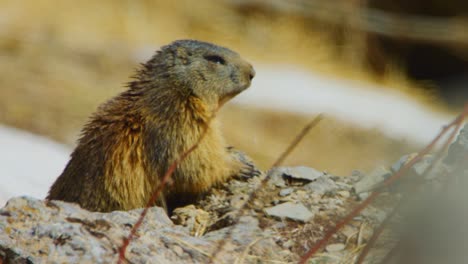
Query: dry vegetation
{"type": "Point", "coordinates": [59, 60]}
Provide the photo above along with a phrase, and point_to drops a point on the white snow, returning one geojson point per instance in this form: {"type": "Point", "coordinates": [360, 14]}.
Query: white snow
{"type": "Point", "coordinates": [291, 89]}
{"type": "Point", "coordinates": [29, 164]}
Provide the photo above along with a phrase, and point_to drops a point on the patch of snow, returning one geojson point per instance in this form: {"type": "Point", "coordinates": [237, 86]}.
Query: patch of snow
{"type": "Point", "coordinates": [291, 89]}
{"type": "Point", "coordinates": [29, 164]}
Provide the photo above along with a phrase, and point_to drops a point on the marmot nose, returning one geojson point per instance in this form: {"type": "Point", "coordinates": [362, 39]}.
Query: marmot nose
{"type": "Point", "coordinates": [251, 72]}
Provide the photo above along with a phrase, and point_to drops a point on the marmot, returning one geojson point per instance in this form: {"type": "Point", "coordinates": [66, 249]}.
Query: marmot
{"type": "Point", "coordinates": [131, 140]}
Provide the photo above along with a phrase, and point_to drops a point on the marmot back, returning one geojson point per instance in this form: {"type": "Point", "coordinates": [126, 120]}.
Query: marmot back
{"type": "Point", "coordinates": [132, 139]}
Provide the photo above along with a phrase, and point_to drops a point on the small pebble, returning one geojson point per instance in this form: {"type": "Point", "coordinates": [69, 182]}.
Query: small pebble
{"type": "Point", "coordinates": [302, 173]}
{"type": "Point", "coordinates": [335, 247]}
{"type": "Point", "coordinates": [344, 194]}
{"type": "Point", "coordinates": [420, 167]}
{"type": "Point", "coordinates": [402, 161]}
{"type": "Point", "coordinates": [178, 250]}
{"type": "Point", "coordinates": [286, 192]}
{"type": "Point", "coordinates": [363, 195]}
{"type": "Point", "coordinates": [349, 231]}
{"type": "Point", "coordinates": [372, 180]}
{"type": "Point", "coordinates": [290, 210]}
{"type": "Point", "coordinates": [288, 244]}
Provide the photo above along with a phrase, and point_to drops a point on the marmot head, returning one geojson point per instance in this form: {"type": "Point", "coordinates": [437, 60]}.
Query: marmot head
{"type": "Point", "coordinates": [212, 73]}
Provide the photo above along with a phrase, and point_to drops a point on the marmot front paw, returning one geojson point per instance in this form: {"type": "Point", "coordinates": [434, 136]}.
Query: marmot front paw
{"type": "Point", "coordinates": [248, 168]}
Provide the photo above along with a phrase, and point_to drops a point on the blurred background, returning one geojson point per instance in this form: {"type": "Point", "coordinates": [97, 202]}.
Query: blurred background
{"type": "Point", "coordinates": [387, 75]}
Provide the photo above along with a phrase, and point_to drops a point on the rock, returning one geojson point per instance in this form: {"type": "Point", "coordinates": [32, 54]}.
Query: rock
{"type": "Point", "coordinates": [372, 180]}
{"type": "Point", "coordinates": [286, 192]}
{"type": "Point", "coordinates": [421, 166]}
{"type": "Point", "coordinates": [238, 200]}
{"type": "Point", "coordinates": [416, 171]}
{"type": "Point", "coordinates": [321, 186]}
{"type": "Point", "coordinates": [248, 233]}
{"type": "Point", "coordinates": [356, 175]}
{"type": "Point", "coordinates": [349, 231]}
{"type": "Point", "coordinates": [302, 173]}
{"type": "Point", "coordinates": [36, 231]}
{"type": "Point", "coordinates": [276, 177]}
{"type": "Point", "coordinates": [363, 195]}
{"type": "Point", "coordinates": [344, 194]}
{"type": "Point", "coordinates": [335, 247]}
{"type": "Point", "coordinates": [459, 149]}
{"type": "Point", "coordinates": [288, 244]}
{"type": "Point", "coordinates": [246, 229]}
{"type": "Point", "coordinates": [297, 212]}
{"type": "Point", "coordinates": [196, 220]}
{"type": "Point", "coordinates": [402, 162]}
{"type": "Point", "coordinates": [178, 250]}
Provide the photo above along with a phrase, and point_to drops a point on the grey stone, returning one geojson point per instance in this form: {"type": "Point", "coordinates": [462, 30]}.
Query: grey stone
{"type": "Point", "coordinates": [335, 247]}
{"type": "Point", "coordinates": [344, 194]}
{"type": "Point", "coordinates": [321, 186]}
{"type": "Point", "coordinates": [459, 149]}
{"type": "Point", "coordinates": [291, 211]}
{"type": "Point", "coordinates": [372, 180]}
{"type": "Point", "coordinates": [302, 173]}
{"type": "Point", "coordinates": [421, 166]}
{"type": "Point", "coordinates": [363, 195]}
{"type": "Point", "coordinates": [276, 177]}
{"type": "Point", "coordinates": [401, 162]}
{"type": "Point", "coordinates": [288, 244]}
{"type": "Point", "coordinates": [286, 192]}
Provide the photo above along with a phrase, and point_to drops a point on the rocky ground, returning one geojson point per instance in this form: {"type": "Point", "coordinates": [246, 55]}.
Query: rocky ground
{"type": "Point", "coordinates": [287, 214]}
{"type": "Point", "coordinates": [290, 212]}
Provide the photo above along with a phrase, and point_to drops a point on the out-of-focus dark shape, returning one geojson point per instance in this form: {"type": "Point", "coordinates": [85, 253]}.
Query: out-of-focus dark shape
{"type": "Point", "coordinates": [426, 38]}
{"type": "Point", "coordinates": [434, 228]}
{"type": "Point", "coordinates": [446, 64]}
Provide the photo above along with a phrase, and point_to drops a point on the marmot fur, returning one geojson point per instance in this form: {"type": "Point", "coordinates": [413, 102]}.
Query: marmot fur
{"type": "Point", "coordinates": [131, 140]}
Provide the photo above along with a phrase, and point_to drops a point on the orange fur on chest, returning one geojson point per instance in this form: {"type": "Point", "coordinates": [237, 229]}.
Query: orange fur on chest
{"type": "Point", "coordinates": [131, 176]}
{"type": "Point", "coordinates": [126, 178]}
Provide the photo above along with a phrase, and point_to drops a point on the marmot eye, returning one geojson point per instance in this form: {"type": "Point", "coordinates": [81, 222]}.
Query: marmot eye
{"type": "Point", "coordinates": [215, 59]}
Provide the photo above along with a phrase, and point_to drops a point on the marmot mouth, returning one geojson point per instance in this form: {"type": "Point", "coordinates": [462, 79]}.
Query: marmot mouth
{"type": "Point", "coordinates": [229, 96]}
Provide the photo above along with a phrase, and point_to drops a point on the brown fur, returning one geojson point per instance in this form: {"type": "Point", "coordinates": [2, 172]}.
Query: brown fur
{"type": "Point", "coordinates": [132, 139]}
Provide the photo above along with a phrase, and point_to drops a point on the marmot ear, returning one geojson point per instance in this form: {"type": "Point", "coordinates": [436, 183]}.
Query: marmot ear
{"type": "Point", "coordinates": [182, 55]}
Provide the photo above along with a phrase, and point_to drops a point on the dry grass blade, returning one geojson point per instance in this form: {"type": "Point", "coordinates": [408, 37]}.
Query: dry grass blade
{"type": "Point", "coordinates": [264, 179]}
{"type": "Point", "coordinates": [457, 123]}
{"type": "Point", "coordinates": [159, 189]}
